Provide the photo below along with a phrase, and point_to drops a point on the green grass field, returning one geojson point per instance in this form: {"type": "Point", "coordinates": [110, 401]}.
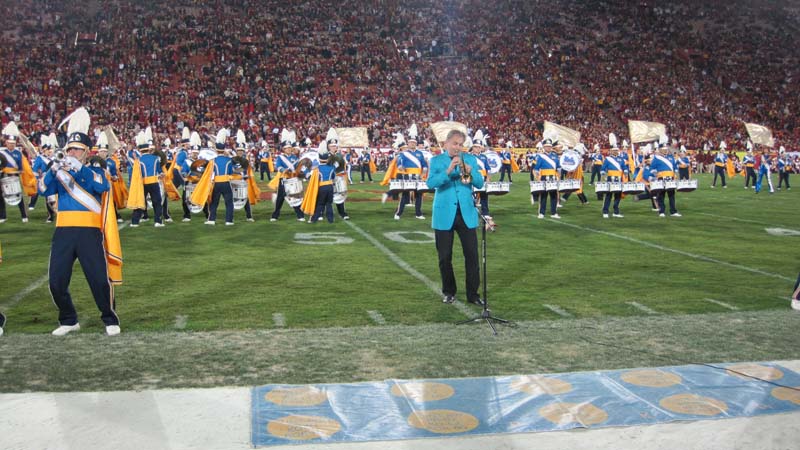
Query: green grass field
{"type": "Point", "coordinates": [718, 260]}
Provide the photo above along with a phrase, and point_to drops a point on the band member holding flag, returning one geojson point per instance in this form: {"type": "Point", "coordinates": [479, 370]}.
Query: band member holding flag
{"type": "Point", "coordinates": [86, 230]}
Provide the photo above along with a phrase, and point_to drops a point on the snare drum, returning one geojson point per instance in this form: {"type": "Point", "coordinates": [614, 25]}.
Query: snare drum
{"type": "Point", "coordinates": [239, 188]}
{"type": "Point", "coordinates": [294, 200]}
{"type": "Point", "coordinates": [657, 186]}
{"type": "Point", "coordinates": [551, 185]}
{"type": "Point", "coordinates": [189, 189]}
{"type": "Point", "coordinates": [570, 185]}
{"type": "Point", "coordinates": [687, 185]}
{"type": "Point", "coordinates": [12, 189]}
{"type": "Point", "coordinates": [340, 185]}
{"type": "Point", "coordinates": [409, 185]}
{"type": "Point", "coordinates": [614, 186]}
{"type": "Point", "coordinates": [601, 186]}
{"type": "Point", "coordinates": [422, 186]}
{"type": "Point", "coordinates": [293, 186]}
{"type": "Point", "coordinates": [480, 189]}
{"type": "Point", "coordinates": [670, 185]}
{"type": "Point", "coordinates": [497, 187]}
{"type": "Point", "coordinates": [633, 187]}
{"type": "Point", "coordinates": [537, 186]}
{"type": "Point", "coordinates": [339, 197]}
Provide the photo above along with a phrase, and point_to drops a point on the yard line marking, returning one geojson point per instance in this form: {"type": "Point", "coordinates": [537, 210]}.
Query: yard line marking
{"type": "Point", "coordinates": [376, 317]}
{"type": "Point", "coordinates": [737, 219]}
{"type": "Point", "coordinates": [279, 320]}
{"type": "Point", "coordinates": [180, 321]}
{"type": "Point", "coordinates": [672, 250]}
{"type": "Point", "coordinates": [723, 304]}
{"type": "Point", "coordinates": [643, 308]}
{"type": "Point", "coordinates": [407, 267]}
{"type": "Point", "coordinates": [558, 310]}
{"type": "Point", "coordinates": [33, 286]}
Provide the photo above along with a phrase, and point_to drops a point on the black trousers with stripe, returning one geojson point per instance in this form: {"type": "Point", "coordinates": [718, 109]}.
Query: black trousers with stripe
{"type": "Point", "coordinates": [86, 245]}
{"type": "Point", "coordinates": [469, 246]}
{"type": "Point", "coordinates": [22, 209]}
{"type": "Point", "coordinates": [154, 191]}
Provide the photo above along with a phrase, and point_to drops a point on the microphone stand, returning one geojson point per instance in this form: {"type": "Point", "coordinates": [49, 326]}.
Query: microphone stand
{"type": "Point", "coordinates": [486, 314]}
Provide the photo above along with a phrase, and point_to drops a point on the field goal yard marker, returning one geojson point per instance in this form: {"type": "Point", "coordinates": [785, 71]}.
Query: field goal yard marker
{"type": "Point", "coordinates": [672, 250]}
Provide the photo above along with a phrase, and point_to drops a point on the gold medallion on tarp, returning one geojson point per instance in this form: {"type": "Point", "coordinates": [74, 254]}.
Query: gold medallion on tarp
{"type": "Point", "coordinates": [536, 385]}
{"type": "Point", "coordinates": [443, 421]}
{"type": "Point", "coordinates": [566, 413]}
{"type": "Point", "coordinates": [651, 378]}
{"type": "Point", "coordinates": [787, 394]}
{"type": "Point", "coordinates": [693, 404]}
{"type": "Point", "coordinates": [303, 428]}
{"type": "Point", "coordinates": [298, 396]}
{"type": "Point", "coordinates": [754, 371]}
{"type": "Point", "coordinates": [423, 391]}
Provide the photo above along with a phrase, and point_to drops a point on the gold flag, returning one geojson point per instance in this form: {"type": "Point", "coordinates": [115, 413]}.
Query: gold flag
{"type": "Point", "coordinates": [353, 137]}
{"type": "Point", "coordinates": [642, 131]}
{"type": "Point", "coordinates": [440, 129]}
{"type": "Point", "coordinates": [760, 134]}
{"type": "Point", "coordinates": [566, 135]}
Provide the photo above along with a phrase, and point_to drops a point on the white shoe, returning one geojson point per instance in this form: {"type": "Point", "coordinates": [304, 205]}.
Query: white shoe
{"type": "Point", "coordinates": [158, 225]}
{"type": "Point", "coordinates": [228, 224]}
{"type": "Point", "coordinates": [346, 218]}
{"type": "Point", "coordinates": [746, 187]}
{"type": "Point", "coordinates": [795, 306]}
{"type": "Point", "coordinates": [24, 220]}
{"type": "Point", "coordinates": [272, 219]}
{"type": "Point", "coordinates": [396, 217]}
{"type": "Point", "coordinates": [210, 222]}
{"type": "Point", "coordinates": [540, 216]}
{"type": "Point", "coordinates": [120, 220]}
{"type": "Point", "coordinates": [662, 215]}
{"type": "Point", "coordinates": [133, 225]}
{"type": "Point", "coordinates": [555, 216]}
{"type": "Point", "coordinates": [1, 331]}
{"type": "Point", "coordinates": [654, 210]}
{"type": "Point", "coordinates": [144, 219]}
{"type": "Point", "coordinates": [676, 215]}
{"type": "Point", "coordinates": [421, 217]}
{"type": "Point", "coordinates": [113, 330]}
{"type": "Point", "coordinates": [186, 219]}
{"type": "Point", "coordinates": [559, 206]}
{"type": "Point", "coordinates": [725, 187]}
{"type": "Point", "coordinates": [64, 329]}
{"type": "Point", "coordinates": [2, 220]}
{"type": "Point", "coordinates": [605, 216]}
{"type": "Point", "coordinates": [384, 197]}
{"type": "Point", "coordinates": [250, 219]}
{"type": "Point", "coordinates": [620, 216]}
{"type": "Point", "coordinates": [712, 186]}
{"type": "Point", "coordinates": [30, 208]}
{"type": "Point", "coordinates": [302, 219]}
{"type": "Point", "coordinates": [168, 220]}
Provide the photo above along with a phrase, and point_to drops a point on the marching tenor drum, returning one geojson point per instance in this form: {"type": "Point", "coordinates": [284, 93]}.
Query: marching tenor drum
{"type": "Point", "coordinates": [551, 185]}
{"type": "Point", "coordinates": [12, 189]}
{"type": "Point", "coordinates": [670, 185]}
{"type": "Point", "coordinates": [657, 186]}
{"type": "Point", "coordinates": [614, 186]}
{"type": "Point", "coordinates": [293, 186]}
{"type": "Point", "coordinates": [239, 188]}
{"type": "Point", "coordinates": [497, 187]}
{"type": "Point", "coordinates": [339, 190]}
{"type": "Point", "coordinates": [633, 187]}
{"type": "Point", "coordinates": [537, 186]}
{"type": "Point", "coordinates": [396, 186]}
{"type": "Point", "coordinates": [189, 189]}
{"type": "Point", "coordinates": [422, 186]}
{"type": "Point", "coordinates": [569, 185]}
{"type": "Point", "coordinates": [480, 189]}
{"type": "Point", "coordinates": [601, 186]}
{"type": "Point", "coordinates": [687, 185]}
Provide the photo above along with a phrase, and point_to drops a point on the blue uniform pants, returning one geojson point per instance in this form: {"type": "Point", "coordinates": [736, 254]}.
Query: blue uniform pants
{"type": "Point", "coordinates": [405, 198]}
{"type": "Point", "coordinates": [719, 171]}
{"type": "Point", "coordinates": [595, 171]}
{"type": "Point", "coordinates": [751, 175]}
{"type": "Point", "coordinates": [86, 245]}
{"type": "Point", "coordinates": [263, 168]}
{"type": "Point", "coordinates": [154, 191]}
{"type": "Point", "coordinates": [2, 320]}
{"type": "Point", "coordinates": [783, 177]}
{"type": "Point", "coordinates": [324, 204]}
{"type": "Point", "coordinates": [224, 190]}
{"type": "Point", "coordinates": [279, 204]}
{"type": "Point", "coordinates": [365, 171]}
{"type": "Point", "coordinates": [762, 173]}
{"type": "Point", "coordinates": [505, 169]}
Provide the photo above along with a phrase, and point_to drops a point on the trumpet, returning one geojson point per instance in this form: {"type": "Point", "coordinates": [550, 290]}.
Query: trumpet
{"type": "Point", "coordinates": [59, 156]}
{"type": "Point", "coordinates": [466, 178]}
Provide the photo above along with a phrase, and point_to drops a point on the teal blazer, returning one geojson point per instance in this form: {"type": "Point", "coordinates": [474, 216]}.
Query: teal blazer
{"type": "Point", "coordinates": [451, 193]}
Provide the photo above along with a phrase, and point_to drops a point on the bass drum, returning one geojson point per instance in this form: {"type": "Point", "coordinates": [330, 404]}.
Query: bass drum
{"type": "Point", "coordinates": [495, 161]}
{"type": "Point", "coordinates": [12, 190]}
{"type": "Point", "coordinates": [570, 160]}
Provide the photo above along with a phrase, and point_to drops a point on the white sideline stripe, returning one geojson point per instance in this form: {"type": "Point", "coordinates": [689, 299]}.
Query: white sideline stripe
{"type": "Point", "coordinates": [741, 220]}
{"type": "Point", "coordinates": [558, 310]}
{"type": "Point", "coordinates": [180, 321]}
{"type": "Point", "coordinates": [672, 250]}
{"type": "Point", "coordinates": [643, 308]}
{"type": "Point", "coordinates": [723, 304]}
{"type": "Point", "coordinates": [407, 267]}
{"type": "Point", "coordinates": [33, 286]}
{"type": "Point", "coordinates": [279, 319]}
{"type": "Point", "coordinates": [377, 317]}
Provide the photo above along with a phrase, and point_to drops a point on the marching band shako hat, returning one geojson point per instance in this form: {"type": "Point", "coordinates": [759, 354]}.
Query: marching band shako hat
{"type": "Point", "coordinates": [77, 129]}
{"type": "Point", "coordinates": [11, 132]}
{"type": "Point", "coordinates": [221, 140]}
{"type": "Point", "coordinates": [195, 142]}
{"type": "Point", "coordinates": [399, 140]}
{"type": "Point", "coordinates": [44, 142]}
{"type": "Point", "coordinates": [241, 141]}
{"type": "Point", "coordinates": [412, 133]}
{"type": "Point", "coordinates": [167, 143]}
{"type": "Point", "coordinates": [663, 142]}
{"type": "Point", "coordinates": [479, 140]}
{"type": "Point", "coordinates": [102, 141]}
{"type": "Point", "coordinates": [322, 151]}
{"type": "Point", "coordinates": [185, 135]}
{"type": "Point", "coordinates": [287, 141]}
{"type": "Point", "coordinates": [332, 138]}
{"type": "Point", "coordinates": [547, 143]}
{"type": "Point", "coordinates": [612, 141]}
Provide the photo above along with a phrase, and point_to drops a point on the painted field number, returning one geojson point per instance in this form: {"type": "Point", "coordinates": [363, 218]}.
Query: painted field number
{"type": "Point", "coordinates": [782, 232]}
{"type": "Point", "coordinates": [403, 237]}
{"type": "Point", "coordinates": [322, 238]}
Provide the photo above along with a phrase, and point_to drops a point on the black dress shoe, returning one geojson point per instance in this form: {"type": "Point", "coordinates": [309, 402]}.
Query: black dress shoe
{"type": "Point", "coordinates": [477, 301]}
{"type": "Point", "coordinates": [448, 299]}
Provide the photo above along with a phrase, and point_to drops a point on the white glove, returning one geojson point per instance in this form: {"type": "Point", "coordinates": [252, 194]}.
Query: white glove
{"type": "Point", "coordinates": [73, 163]}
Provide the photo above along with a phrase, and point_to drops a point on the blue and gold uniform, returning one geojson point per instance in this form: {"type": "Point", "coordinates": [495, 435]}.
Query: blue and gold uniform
{"type": "Point", "coordinates": [783, 171]}
{"type": "Point", "coordinates": [150, 165]}
{"type": "Point", "coordinates": [263, 163]}
{"type": "Point", "coordinates": [614, 168]}
{"type": "Point", "coordinates": [597, 163]}
{"type": "Point", "coordinates": [683, 164]}
{"type": "Point", "coordinates": [11, 167]}
{"type": "Point", "coordinates": [662, 167]}
{"type": "Point", "coordinates": [547, 168]}
{"type": "Point", "coordinates": [765, 170]}
{"type": "Point", "coordinates": [749, 164]}
{"type": "Point", "coordinates": [364, 161]}
{"type": "Point", "coordinates": [720, 166]}
{"type": "Point", "coordinates": [410, 165]}
{"type": "Point", "coordinates": [505, 168]}
{"type": "Point", "coordinates": [285, 163]}
{"type": "Point", "coordinates": [223, 174]}
{"type": "Point", "coordinates": [326, 174]}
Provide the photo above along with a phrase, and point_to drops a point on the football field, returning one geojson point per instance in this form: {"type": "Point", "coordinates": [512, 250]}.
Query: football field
{"type": "Point", "coordinates": [296, 302]}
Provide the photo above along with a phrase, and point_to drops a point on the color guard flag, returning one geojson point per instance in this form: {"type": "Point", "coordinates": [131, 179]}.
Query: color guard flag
{"type": "Point", "coordinates": [642, 131]}
{"type": "Point", "coordinates": [565, 135]}
{"type": "Point", "coordinates": [760, 134]}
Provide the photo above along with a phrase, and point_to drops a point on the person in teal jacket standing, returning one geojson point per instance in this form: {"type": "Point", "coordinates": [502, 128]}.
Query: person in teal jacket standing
{"type": "Point", "coordinates": [454, 211]}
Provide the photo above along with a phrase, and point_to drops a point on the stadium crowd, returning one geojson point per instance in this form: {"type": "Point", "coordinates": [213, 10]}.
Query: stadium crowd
{"type": "Point", "coordinates": [700, 67]}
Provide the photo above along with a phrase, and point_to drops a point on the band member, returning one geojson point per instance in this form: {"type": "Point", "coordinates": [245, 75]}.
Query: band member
{"type": "Point", "coordinates": [223, 169]}
{"type": "Point", "coordinates": [749, 163]}
{"type": "Point", "coordinates": [795, 297]}
{"type": "Point", "coordinates": [546, 169]}
{"type": "Point", "coordinates": [784, 166]}
{"type": "Point", "coordinates": [318, 199]}
{"type": "Point", "coordinates": [409, 164]}
{"type": "Point", "coordinates": [532, 160]}
{"type": "Point", "coordinates": [765, 170]}
{"type": "Point", "coordinates": [478, 144]}
{"type": "Point", "coordinates": [453, 179]}
{"type": "Point", "coordinates": [145, 180]}
{"type": "Point", "coordinates": [662, 167]}
{"type": "Point", "coordinates": [85, 230]}
{"type": "Point", "coordinates": [332, 147]}
{"type": "Point", "coordinates": [364, 161]}
{"type": "Point", "coordinates": [12, 167]}
{"type": "Point", "coordinates": [720, 165]}
{"type": "Point", "coordinates": [265, 161]}
{"type": "Point", "coordinates": [2, 323]}
{"type": "Point", "coordinates": [613, 169]}
{"type": "Point", "coordinates": [505, 167]}
{"type": "Point", "coordinates": [285, 168]}
{"type": "Point", "coordinates": [243, 171]}
{"type": "Point", "coordinates": [597, 163]}
{"type": "Point", "coordinates": [48, 143]}
{"type": "Point", "coordinates": [683, 163]}
{"type": "Point", "coordinates": [110, 169]}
